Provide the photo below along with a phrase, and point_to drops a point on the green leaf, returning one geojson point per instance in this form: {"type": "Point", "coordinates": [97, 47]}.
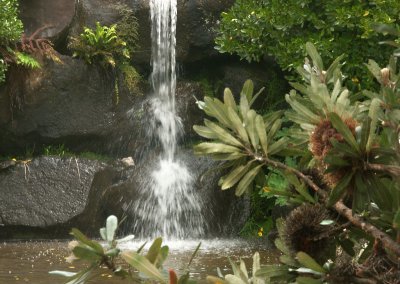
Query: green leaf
{"type": "Point", "coordinates": [204, 131]}
{"type": "Point", "coordinates": [229, 100]}
{"type": "Point", "coordinates": [251, 129]}
{"type": "Point", "coordinates": [162, 256]}
{"type": "Point", "coordinates": [233, 279]}
{"type": "Point", "coordinates": [82, 238]}
{"type": "Point", "coordinates": [103, 233]}
{"type": "Point", "coordinates": [256, 96]}
{"type": "Point", "coordinates": [272, 270]}
{"type": "Point", "coordinates": [373, 114]}
{"type": "Point", "coordinates": [247, 90]}
{"type": "Point", "coordinates": [211, 148]}
{"type": "Point", "coordinates": [278, 146]}
{"type": "Point", "coordinates": [85, 252]}
{"type": "Point", "coordinates": [316, 58]}
{"type": "Point", "coordinates": [262, 135]}
{"type": "Point", "coordinates": [111, 227]}
{"type": "Point", "coordinates": [237, 125]}
{"type": "Point", "coordinates": [142, 264]}
{"type": "Point", "coordinates": [340, 188]}
{"type": "Point", "coordinates": [215, 280]}
{"type": "Point", "coordinates": [154, 250]}
{"type": "Point", "coordinates": [327, 222]}
{"type": "Point", "coordinates": [215, 108]}
{"type": "Point", "coordinates": [246, 180]}
{"type": "Point", "coordinates": [309, 262]}
{"type": "Point", "coordinates": [344, 130]}
{"type": "Point", "coordinates": [222, 134]}
{"type": "Point", "coordinates": [308, 280]}
{"type": "Point", "coordinates": [234, 176]}
{"type": "Point", "coordinates": [244, 107]}
{"type": "Point", "coordinates": [333, 67]}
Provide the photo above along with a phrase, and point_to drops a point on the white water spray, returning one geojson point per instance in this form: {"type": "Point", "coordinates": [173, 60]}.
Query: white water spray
{"type": "Point", "coordinates": [169, 206]}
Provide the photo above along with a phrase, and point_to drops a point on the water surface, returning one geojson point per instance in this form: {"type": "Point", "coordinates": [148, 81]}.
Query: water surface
{"type": "Point", "coordinates": [29, 262]}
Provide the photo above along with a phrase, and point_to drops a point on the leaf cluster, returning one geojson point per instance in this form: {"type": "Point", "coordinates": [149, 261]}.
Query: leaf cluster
{"type": "Point", "coordinates": [257, 28]}
{"type": "Point", "coordinates": [145, 268]}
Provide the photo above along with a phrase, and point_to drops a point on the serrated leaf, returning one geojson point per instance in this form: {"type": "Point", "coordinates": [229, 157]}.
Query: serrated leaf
{"type": "Point", "coordinates": [204, 131]}
{"type": "Point", "coordinates": [246, 180]}
{"type": "Point", "coordinates": [244, 107]}
{"type": "Point", "coordinates": [302, 110]}
{"type": "Point", "coordinates": [274, 128]}
{"type": "Point", "coordinates": [103, 234]}
{"type": "Point", "coordinates": [229, 100]}
{"type": "Point", "coordinates": [262, 135]}
{"type": "Point", "coordinates": [234, 176]}
{"type": "Point", "coordinates": [142, 264]}
{"type": "Point", "coordinates": [339, 190]}
{"type": "Point", "coordinates": [237, 125]}
{"type": "Point", "coordinates": [343, 129]}
{"type": "Point", "coordinates": [272, 270]}
{"type": "Point", "coordinates": [316, 58]}
{"type": "Point", "coordinates": [333, 67]}
{"type": "Point", "coordinates": [243, 269]}
{"type": "Point", "coordinates": [256, 96]}
{"type": "Point", "coordinates": [307, 261]}
{"type": "Point", "coordinates": [222, 134]}
{"type": "Point", "coordinates": [211, 148]}
{"type": "Point", "coordinates": [215, 108]}
{"type": "Point", "coordinates": [277, 146]}
{"type": "Point", "coordinates": [85, 252]}
{"type": "Point", "coordinates": [251, 129]}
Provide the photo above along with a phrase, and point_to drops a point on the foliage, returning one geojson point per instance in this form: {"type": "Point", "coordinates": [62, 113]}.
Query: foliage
{"type": "Point", "coordinates": [147, 268]}
{"type": "Point", "coordinates": [347, 148]}
{"type": "Point", "coordinates": [256, 28]}
{"type": "Point", "coordinates": [10, 26]}
{"type": "Point", "coordinates": [132, 78]}
{"type": "Point", "coordinates": [101, 45]}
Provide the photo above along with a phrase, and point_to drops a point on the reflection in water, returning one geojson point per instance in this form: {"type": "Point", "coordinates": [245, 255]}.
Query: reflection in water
{"type": "Point", "coordinates": [29, 262]}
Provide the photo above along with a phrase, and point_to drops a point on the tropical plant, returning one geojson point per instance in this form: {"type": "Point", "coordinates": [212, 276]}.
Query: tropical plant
{"type": "Point", "coordinates": [139, 269]}
{"type": "Point", "coordinates": [101, 45]}
{"type": "Point", "coordinates": [254, 29]}
{"type": "Point", "coordinates": [347, 148]}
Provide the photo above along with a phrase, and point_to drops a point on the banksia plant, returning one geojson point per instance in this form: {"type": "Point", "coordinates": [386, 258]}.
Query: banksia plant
{"type": "Point", "coordinates": [304, 231]}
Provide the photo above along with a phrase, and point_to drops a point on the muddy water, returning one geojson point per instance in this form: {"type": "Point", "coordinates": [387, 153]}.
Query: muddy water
{"type": "Point", "coordinates": [29, 262]}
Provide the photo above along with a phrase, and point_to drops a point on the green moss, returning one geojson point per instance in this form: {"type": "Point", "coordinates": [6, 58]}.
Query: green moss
{"type": "Point", "coordinates": [132, 79]}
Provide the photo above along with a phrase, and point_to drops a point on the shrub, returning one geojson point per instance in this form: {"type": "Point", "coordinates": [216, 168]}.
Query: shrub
{"type": "Point", "coordinates": [257, 28]}
{"type": "Point", "coordinates": [349, 153]}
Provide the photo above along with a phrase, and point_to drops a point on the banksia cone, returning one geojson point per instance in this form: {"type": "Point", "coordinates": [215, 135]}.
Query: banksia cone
{"type": "Point", "coordinates": [304, 232]}
{"type": "Point", "coordinates": [320, 145]}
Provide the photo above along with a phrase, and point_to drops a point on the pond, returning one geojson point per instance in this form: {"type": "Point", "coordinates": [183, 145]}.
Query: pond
{"type": "Point", "coordinates": [29, 262]}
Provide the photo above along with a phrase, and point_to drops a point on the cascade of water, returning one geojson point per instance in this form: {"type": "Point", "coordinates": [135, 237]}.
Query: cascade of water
{"type": "Point", "coordinates": [168, 206]}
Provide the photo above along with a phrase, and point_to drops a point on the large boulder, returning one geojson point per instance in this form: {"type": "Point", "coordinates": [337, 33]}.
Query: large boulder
{"type": "Point", "coordinates": [196, 24]}
{"type": "Point", "coordinates": [70, 103]}
{"type": "Point", "coordinates": [51, 18]}
{"type": "Point", "coordinates": [45, 191]}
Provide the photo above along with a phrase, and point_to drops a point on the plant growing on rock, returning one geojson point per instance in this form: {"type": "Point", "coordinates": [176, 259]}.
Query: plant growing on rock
{"type": "Point", "coordinates": [348, 173]}
{"type": "Point", "coordinates": [107, 46]}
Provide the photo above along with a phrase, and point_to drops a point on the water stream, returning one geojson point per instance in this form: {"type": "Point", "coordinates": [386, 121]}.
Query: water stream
{"type": "Point", "coordinates": [168, 205]}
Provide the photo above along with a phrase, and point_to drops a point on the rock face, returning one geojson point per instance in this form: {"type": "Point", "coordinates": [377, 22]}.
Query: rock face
{"type": "Point", "coordinates": [56, 15]}
{"type": "Point", "coordinates": [45, 191]}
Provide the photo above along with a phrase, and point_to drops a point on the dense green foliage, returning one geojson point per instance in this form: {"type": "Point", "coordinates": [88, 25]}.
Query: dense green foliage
{"type": "Point", "coordinates": [256, 28]}
{"type": "Point", "coordinates": [10, 30]}
{"type": "Point", "coordinates": [10, 25]}
{"type": "Point", "coordinates": [346, 173]}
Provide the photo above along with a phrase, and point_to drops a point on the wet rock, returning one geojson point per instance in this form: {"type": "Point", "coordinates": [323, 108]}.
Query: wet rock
{"type": "Point", "coordinates": [45, 191]}
{"type": "Point", "coordinates": [56, 15]}
{"type": "Point", "coordinates": [70, 103]}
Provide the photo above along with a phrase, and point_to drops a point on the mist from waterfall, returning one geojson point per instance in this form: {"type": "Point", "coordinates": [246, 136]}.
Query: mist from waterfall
{"type": "Point", "coordinates": [168, 205]}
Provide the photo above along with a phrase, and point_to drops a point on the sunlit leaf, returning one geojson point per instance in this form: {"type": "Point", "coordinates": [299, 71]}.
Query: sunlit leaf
{"type": "Point", "coordinates": [246, 180]}
{"type": "Point", "coordinates": [235, 175]}
{"type": "Point", "coordinates": [154, 250]}
{"type": "Point", "coordinates": [313, 53]}
{"type": "Point", "coordinates": [309, 262]}
{"type": "Point", "coordinates": [142, 264]}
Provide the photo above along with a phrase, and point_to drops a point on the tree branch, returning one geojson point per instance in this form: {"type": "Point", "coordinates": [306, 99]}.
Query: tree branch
{"type": "Point", "coordinates": [393, 170]}
{"type": "Point", "coordinates": [342, 209]}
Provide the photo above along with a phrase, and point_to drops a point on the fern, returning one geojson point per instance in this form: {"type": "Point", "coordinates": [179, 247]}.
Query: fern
{"type": "Point", "coordinates": [26, 60]}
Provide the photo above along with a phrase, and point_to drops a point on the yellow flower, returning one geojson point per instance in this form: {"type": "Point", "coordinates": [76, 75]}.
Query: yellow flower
{"type": "Point", "coordinates": [366, 13]}
{"type": "Point", "coordinates": [13, 159]}
{"type": "Point", "coordinates": [260, 233]}
{"type": "Point", "coordinates": [266, 189]}
{"type": "Point", "coordinates": [355, 80]}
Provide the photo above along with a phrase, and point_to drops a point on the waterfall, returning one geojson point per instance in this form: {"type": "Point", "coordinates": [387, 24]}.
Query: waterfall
{"type": "Point", "coordinates": [168, 205]}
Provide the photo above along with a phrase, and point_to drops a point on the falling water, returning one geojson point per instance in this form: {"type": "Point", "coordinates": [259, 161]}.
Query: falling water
{"type": "Point", "coordinates": [168, 206]}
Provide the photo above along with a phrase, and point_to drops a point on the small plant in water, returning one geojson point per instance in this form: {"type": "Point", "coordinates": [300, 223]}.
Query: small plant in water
{"type": "Point", "coordinates": [140, 268]}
